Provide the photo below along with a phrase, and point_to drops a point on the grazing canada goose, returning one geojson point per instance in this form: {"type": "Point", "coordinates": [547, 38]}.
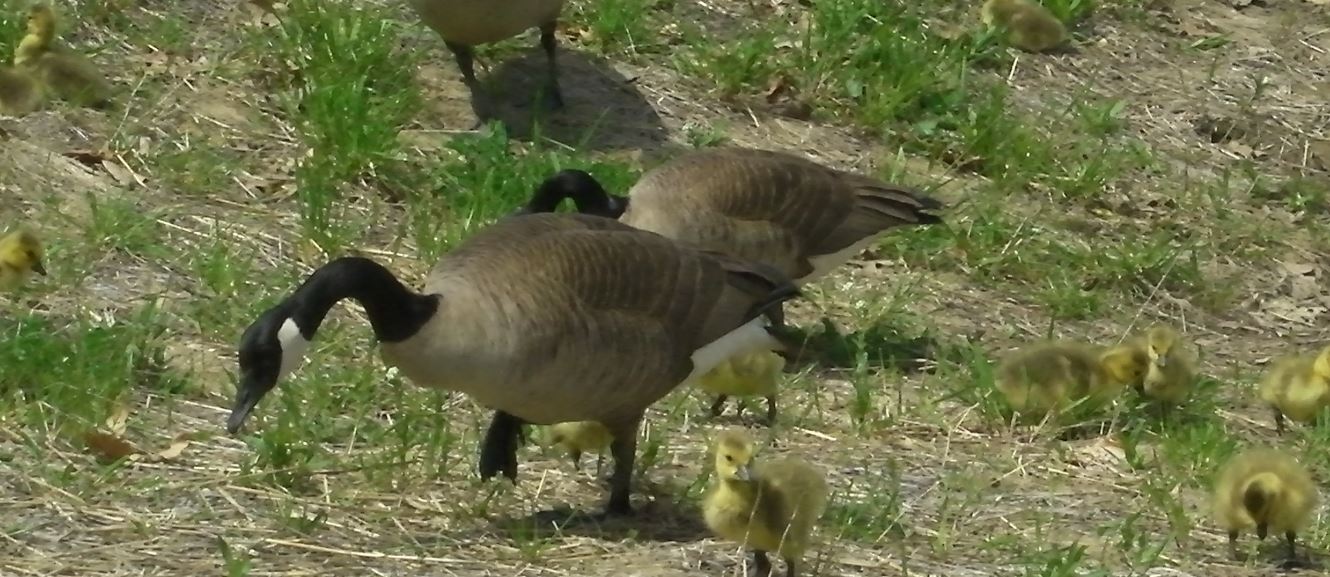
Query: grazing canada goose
{"type": "Point", "coordinates": [464, 24]}
{"type": "Point", "coordinates": [61, 71]}
{"type": "Point", "coordinates": [20, 256]}
{"type": "Point", "coordinates": [771, 207]}
{"type": "Point", "coordinates": [543, 318]}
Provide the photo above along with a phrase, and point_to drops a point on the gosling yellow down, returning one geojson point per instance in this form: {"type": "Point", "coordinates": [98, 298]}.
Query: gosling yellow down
{"type": "Point", "coordinates": [62, 72]}
{"type": "Point", "coordinates": [1029, 25]}
{"type": "Point", "coordinates": [20, 256]}
{"type": "Point", "coordinates": [1267, 490]}
{"type": "Point", "coordinates": [768, 506]}
{"type": "Point", "coordinates": [1297, 387]}
{"type": "Point", "coordinates": [1052, 376]}
{"type": "Point", "coordinates": [578, 437]}
{"type": "Point", "coordinates": [754, 374]}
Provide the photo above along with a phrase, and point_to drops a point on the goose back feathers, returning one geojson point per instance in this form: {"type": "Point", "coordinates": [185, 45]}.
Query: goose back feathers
{"type": "Point", "coordinates": [772, 207]}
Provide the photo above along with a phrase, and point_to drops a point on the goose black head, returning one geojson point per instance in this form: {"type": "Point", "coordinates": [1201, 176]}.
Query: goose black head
{"type": "Point", "coordinates": [587, 194]}
{"type": "Point", "coordinates": [272, 346]}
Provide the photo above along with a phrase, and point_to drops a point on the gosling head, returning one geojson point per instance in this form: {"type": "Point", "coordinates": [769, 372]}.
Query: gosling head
{"type": "Point", "coordinates": [41, 19]}
{"type": "Point", "coordinates": [587, 194]}
{"type": "Point", "coordinates": [1258, 498]}
{"type": "Point", "coordinates": [22, 251]}
{"type": "Point", "coordinates": [1160, 342]}
{"type": "Point", "coordinates": [272, 346]}
{"type": "Point", "coordinates": [734, 456]}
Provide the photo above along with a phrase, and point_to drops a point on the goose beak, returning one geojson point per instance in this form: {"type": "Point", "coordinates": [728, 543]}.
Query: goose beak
{"type": "Point", "coordinates": [1262, 529]}
{"type": "Point", "coordinates": [39, 268]}
{"type": "Point", "coordinates": [247, 397]}
{"type": "Point", "coordinates": [743, 474]}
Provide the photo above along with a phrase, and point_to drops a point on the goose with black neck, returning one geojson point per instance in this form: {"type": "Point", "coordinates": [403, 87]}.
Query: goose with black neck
{"type": "Point", "coordinates": [776, 208]}
{"type": "Point", "coordinates": [544, 318]}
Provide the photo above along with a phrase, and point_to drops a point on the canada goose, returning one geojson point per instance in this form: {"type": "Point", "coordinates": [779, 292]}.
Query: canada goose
{"type": "Point", "coordinates": [62, 72]}
{"type": "Point", "coordinates": [770, 506]}
{"type": "Point", "coordinates": [765, 206]}
{"type": "Point", "coordinates": [463, 24]}
{"type": "Point", "coordinates": [772, 207]}
{"type": "Point", "coordinates": [1265, 489]}
{"type": "Point", "coordinates": [20, 256]}
{"type": "Point", "coordinates": [543, 318]}
{"type": "Point", "coordinates": [19, 92]}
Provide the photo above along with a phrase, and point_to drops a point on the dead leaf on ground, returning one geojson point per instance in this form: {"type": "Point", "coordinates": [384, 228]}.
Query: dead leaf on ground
{"type": "Point", "coordinates": [108, 448]}
{"type": "Point", "coordinates": [177, 447]}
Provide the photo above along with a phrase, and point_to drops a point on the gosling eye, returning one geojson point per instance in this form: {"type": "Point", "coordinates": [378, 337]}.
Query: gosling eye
{"type": "Point", "coordinates": [729, 458]}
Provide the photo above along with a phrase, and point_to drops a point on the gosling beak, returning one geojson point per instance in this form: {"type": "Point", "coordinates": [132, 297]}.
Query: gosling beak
{"type": "Point", "coordinates": [248, 395]}
{"type": "Point", "coordinates": [1261, 530]}
{"type": "Point", "coordinates": [1161, 361]}
{"type": "Point", "coordinates": [39, 268]}
{"type": "Point", "coordinates": [743, 474]}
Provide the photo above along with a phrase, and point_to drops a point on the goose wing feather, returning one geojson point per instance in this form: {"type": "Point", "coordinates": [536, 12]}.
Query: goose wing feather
{"type": "Point", "coordinates": [769, 206]}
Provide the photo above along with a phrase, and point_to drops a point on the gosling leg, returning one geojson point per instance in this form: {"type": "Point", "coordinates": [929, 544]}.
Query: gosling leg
{"type": "Point", "coordinates": [1290, 537]}
{"type": "Point", "coordinates": [771, 410]}
{"type": "Point", "coordinates": [718, 407]}
{"type": "Point", "coordinates": [553, 96]}
{"type": "Point", "coordinates": [577, 460]}
{"type": "Point", "coordinates": [498, 451]}
{"type": "Point", "coordinates": [624, 449]}
{"type": "Point", "coordinates": [1233, 545]}
{"type": "Point", "coordinates": [1279, 421]}
{"type": "Point", "coordinates": [789, 567]}
{"type": "Point", "coordinates": [761, 566]}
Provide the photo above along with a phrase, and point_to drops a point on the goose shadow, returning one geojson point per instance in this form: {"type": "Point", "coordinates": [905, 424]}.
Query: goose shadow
{"type": "Point", "coordinates": [880, 345]}
{"type": "Point", "coordinates": [603, 110]}
{"type": "Point", "coordinates": [662, 519]}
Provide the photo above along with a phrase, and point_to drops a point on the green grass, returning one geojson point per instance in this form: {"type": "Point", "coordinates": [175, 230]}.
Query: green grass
{"type": "Point", "coordinates": [1067, 220]}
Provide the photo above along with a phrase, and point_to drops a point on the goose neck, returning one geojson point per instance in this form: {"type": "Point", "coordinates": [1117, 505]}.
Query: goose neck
{"type": "Point", "coordinates": [395, 312]}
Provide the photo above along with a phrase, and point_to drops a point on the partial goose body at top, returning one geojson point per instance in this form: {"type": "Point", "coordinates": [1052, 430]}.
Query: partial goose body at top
{"type": "Point", "coordinates": [777, 208]}
{"type": "Point", "coordinates": [544, 318]}
{"type": "Point", "coordinates": [463, 24]}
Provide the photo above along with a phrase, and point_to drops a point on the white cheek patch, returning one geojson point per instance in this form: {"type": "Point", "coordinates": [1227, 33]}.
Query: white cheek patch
{"type": "Point", "coordinates": [294, 346]}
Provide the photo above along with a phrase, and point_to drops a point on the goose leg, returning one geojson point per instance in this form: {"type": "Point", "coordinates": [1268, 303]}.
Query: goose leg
{"type": "Point", "coordinates": [719, 406]}
{"type": "Point", "coordinates": [466, 58]}
{"type": "Point", "coordinates": [553, 96]}
{"type": "Point", "coordinates": [761, 566]}
{"type": "Point", "coordinates": [498, 451]}
{"type": "Point", "coordinates": [624, 449]}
